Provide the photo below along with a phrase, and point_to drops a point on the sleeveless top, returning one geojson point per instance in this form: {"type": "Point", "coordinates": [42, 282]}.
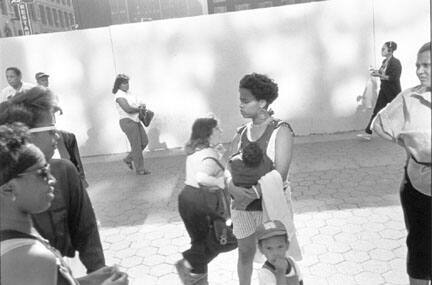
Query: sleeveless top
{"type": "Point", "coordinates": [11, 239]}
{"type": "Point", "coordinates": [267, 143]}
{"type": "Point", "coordinates": [293, 275]}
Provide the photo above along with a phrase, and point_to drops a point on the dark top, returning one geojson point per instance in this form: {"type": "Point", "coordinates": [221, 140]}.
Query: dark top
{"type": "Point", "coordinates": [391, 87]}
{"type": "Point", "coordinates": [70, 223]}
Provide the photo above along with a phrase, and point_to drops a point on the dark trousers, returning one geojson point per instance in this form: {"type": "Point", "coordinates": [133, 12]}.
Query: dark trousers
{"type": "Point", "coordinates": [195, 205]}
{"type": "Point", "coordinates": [417, 213]}
{"type": "Point", "coordinates": [381, 102]}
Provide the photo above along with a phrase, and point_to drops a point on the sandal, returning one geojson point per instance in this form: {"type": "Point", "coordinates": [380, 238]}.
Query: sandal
{"type": "Point", "coordinates": [128, 163]}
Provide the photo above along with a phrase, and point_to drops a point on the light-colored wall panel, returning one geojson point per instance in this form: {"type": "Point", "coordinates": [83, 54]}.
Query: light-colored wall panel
{"type": "Point", "coordinates": [318, 53]}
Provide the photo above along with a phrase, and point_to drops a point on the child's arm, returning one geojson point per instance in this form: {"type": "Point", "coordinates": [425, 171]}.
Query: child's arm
{"type": "Point", "coordinates": [211, 174]}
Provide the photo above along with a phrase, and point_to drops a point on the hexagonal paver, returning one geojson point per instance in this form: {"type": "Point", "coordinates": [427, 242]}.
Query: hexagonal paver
{"type": "Point", "coordinates": [168, 250]}
{"type": "Point", "coordinates": [341, 279]}
{"type": "Point", "coordinates": [127, 252]}
{"type": "Point", "coordinates": [369, 278]}
{"type": "Point", "coordinates": [139, 270]}
{"type": "Point", "coordinates": [153, 260]}
{"type": "Point", "coordinates": [162, 269]}
{"type": "Point", "coordinates": [331, 258]}
{"type": "Point", "coordinates": [356, 256]}
{"type": "Point", "coordinates": [322, 239]}
{"type": "Point", "coordinates": [323, 269]}
{"type": "Point", "coordinates": [396, 277]}
{"type": "Point", "coordinates": [388, 244]}
{"type": "Point", "coordinates": [146, 251]}
{"type": "Point", "coordinates": [338, 247]}
{"type": "Point", "coordinates": [130, 262]}
{"type": "Point", "coordinates": [345, 237]}
{"type": "Point", "coordinates": [381, 254]}
{"type": "Point", "coordinates": [362, 245]}
{"type": "Point", "coordinates": [376, 266]}
{"type": "Point", "coordinates": [349, 268]}
{"type": "Point", "coordinates": [392, 234]}
{"type": "Point", "coordinates": [314, 249]}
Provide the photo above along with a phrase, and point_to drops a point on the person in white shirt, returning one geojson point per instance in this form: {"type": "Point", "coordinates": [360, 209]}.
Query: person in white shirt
{"type": "Point", "coordinates": [407, 122]}
{"type": "Point", "coordinates": [16, 85]}
{"type": "Point", "coordinates": [128, 109]}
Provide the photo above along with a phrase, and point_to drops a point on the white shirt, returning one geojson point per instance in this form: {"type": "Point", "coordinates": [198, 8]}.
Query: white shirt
{"type": "Point", "coordinates": [194, 164]}
{"type": "Point", "coordinates": [9, 91]}
{"type": "Point", "coordinates": [132, 101]}
{"type": "Point", "coordinates": [407, 120]}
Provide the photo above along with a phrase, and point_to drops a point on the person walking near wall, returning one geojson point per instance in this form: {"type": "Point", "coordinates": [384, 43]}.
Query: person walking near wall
{"type": "Point", "coordinates": [407, 122]}
{"type": "Point", "coordinates": [128, 109]}
{"type": "Point", "coordinates": [389, 74]}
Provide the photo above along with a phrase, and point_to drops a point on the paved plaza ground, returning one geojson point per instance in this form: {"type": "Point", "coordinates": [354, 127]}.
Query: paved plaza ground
{"type": "Point", "coordinates": [345, 196]}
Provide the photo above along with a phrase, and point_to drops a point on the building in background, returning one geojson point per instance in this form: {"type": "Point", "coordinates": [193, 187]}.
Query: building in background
{"type": "Point", "coordinates": [45, 16]}
{"type": "Point", "coordinates": [132, 11]}
{"type": "Point", "coordinates": [92, 13]}
{"type": "Point", "coordinates": [221, 6]}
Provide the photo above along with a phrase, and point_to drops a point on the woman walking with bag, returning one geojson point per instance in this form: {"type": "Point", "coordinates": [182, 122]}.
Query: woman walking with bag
{"type": "Point", "coordinates": [389, 74]}
{"type": "Point", "coordinates": [198, 201]}
{"type": "Point", "coordinates": [129, 109]}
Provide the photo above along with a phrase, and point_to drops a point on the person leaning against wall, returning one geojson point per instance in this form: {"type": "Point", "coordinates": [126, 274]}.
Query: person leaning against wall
{"type": "Point", "coordinates": [389, 74]}
{"type": "Point", "coordinates": [128, 108]}
{"type": "Point", "coordinates": [407, 122]}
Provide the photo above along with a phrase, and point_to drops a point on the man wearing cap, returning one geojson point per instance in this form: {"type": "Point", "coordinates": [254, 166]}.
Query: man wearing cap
{"type": "Point", "coordinates": [42, 79]}
{"type": "Point", "coordinates": [16, 85]}
{"type": "Point", "coordinates": [279, 269]}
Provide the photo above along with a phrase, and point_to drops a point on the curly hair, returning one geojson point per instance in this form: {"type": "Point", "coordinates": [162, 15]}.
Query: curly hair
{"type": "Point", "coordinates": [261, 87]}
{"type": "Point", "coordinates": [202, 129]}
{"type": "Point", "coordinates": [120, 79]}
{"type": "Point", "coordinates": [15, 70]}
{"type": "Point", "coordinates": [16, 153]}
{"type": "Point", "coordinates": [29, 107]}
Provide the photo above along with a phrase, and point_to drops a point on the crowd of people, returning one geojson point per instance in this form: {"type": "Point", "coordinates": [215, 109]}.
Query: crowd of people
{"type": "Point", "coordinates": [47, 215]}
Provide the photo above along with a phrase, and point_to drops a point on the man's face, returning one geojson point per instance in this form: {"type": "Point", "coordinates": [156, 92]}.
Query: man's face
{"type": "Point", "coordinates": [13, 79]}
{"type": "Point", "coordinates": [43, 81]}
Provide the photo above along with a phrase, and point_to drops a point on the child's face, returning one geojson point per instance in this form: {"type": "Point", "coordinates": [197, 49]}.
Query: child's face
{"type": "Point", "coordinates": [274, 248]}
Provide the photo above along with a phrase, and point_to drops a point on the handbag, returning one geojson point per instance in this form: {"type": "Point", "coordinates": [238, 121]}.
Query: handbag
{"type": "Point", "coordinates": [220, 235]}
{"type": "Point", "coordinates": [146, 116]}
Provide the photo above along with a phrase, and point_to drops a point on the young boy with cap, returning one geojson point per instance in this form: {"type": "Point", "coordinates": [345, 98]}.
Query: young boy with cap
{"type": "Point", "coordinates": [279, 269]}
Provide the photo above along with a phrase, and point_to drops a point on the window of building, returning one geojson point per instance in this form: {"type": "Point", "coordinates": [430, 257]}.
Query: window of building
{"type": "Point", "coordinates": [49, 16]}
{"type": "Point", "coordinates": [61, 18]}
{"type": "Point", "coordinates": [7, 31]}
{"type": "Point", "coordinates": [244, 6]}
{"type": "Point", "coordinates": [16, 12]}
{"type": "Point", "coordinates": [219, 9]}
{"type": "Point", "coordinates": [32, 12]}
{"type": "Point", "coordinates": [56, 22]}
{"type": "Point", "coordinates": [3, 7]}
{"type": "Point", "coordinates": [71, 19]}
{"type": "Point", "coordinates": [265, 4]}
{"type": "Point", "coordinates": [42, 14]}
{"type": "Point", "coordinates": [66, 18]}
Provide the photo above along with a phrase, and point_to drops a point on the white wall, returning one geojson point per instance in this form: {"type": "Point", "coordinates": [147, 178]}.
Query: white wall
{"type": "Point", "coordinates": [318, 53]}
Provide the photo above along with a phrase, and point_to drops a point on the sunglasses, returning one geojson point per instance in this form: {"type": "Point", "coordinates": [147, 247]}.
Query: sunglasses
{"type": "Point", "coordinates": [43, 172]}
{"type": "Point", "coordinates": [50, 128]}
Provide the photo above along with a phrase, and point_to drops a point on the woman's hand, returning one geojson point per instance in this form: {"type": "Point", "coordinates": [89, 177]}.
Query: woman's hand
{"type": "Point", "coordinates": [118, 278]}
{"type": "Point", "coordinates": [242, 196]}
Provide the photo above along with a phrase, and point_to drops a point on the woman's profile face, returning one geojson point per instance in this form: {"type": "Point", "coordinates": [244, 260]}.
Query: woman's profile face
{"type": "Point", "coordinates": [34, 189]}
{"type": "Point", "coordinates": [216, 136]}
{"type": "Point", "coordinates": [423, 68]}
{"type": "Point", "coordinates": [46, 140]}
{"type": "Point", "coordinates": [385, 50]}
{"type": "Point", "coordinates": [249, 105]}
{"type": "Point", "coordinates": [124, 86]}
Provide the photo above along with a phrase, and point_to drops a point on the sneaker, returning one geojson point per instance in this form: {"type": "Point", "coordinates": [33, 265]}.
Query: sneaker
{"type": "Point", "coordinates": [365, 136]}
{"type": "Point", "coordinates": [189, 278]}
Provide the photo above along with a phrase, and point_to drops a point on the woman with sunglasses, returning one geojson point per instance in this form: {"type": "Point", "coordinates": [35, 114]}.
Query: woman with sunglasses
{"type": "Point", "coordinates": [27, 187]}
{"type": "Point", "coordinates": [75, 229]}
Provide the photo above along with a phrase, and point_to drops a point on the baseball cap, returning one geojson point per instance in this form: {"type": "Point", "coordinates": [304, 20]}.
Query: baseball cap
{"type": "Point", "coordinates": [40, 75]}
{"type": "Point", "coordinates": [270, 229]}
